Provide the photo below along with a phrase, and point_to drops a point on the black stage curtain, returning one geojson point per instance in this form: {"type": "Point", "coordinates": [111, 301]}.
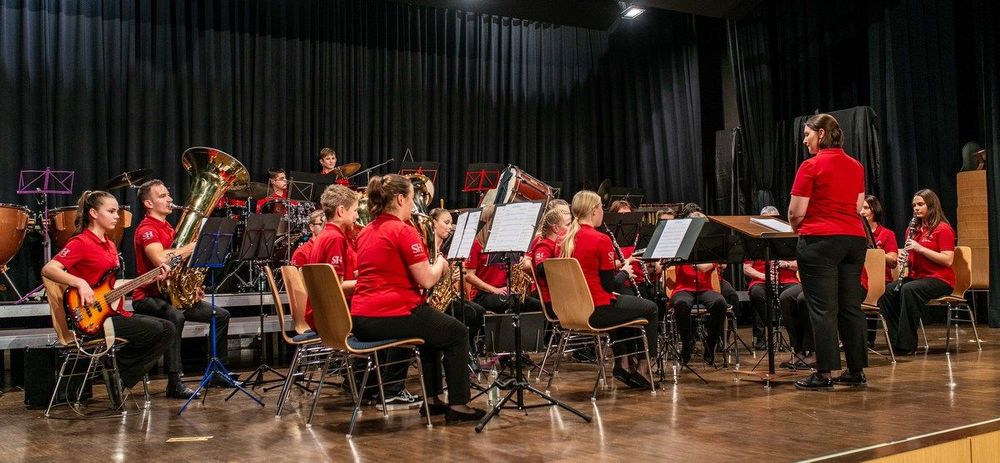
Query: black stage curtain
{"type": "Point", "coordinates": [103, 87]}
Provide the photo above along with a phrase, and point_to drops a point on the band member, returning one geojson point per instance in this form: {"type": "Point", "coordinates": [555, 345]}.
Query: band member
{"type": "Point", "coordinates": [317, 221]}
{"type": "Point", "coordinates": [621, 206]}
{"type": "Point", "coordinates": [328, 165]}
{"type": "Point", "coordinates": [489, 279]}
{"type": "Point", "coordinates": [595, 253]}
{"type": "Point", "coordinates": [725, 287]}
{"type": "Point", "coordinates": [89, 256]}
{"type": "Point", "coordinates": [472, 315]}
{"type": "Point", "coordinates": [393, 268]}
{"type": "Point", "coordinates": [554, 226]}
{"type": "Point", "coordinates": [930, 254]}
{"type": "Point", "coordinates": [666, 214]}
{"type": "Point", "coordinates": [153, 238]}
{"type": "Point", "coordinates": [827, 196]}
{"type": "Point", "coordinates": [335, 244]}
{"type": "Point", "coordinates": [884, 238]}
{"type": "Point", "coordinates": [787, 281]}
{"type": "Point", "coordinates": [278, 184]}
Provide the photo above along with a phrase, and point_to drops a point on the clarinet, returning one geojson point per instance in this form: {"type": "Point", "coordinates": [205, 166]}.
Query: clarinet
{"type": "Point", "coordinates": [618, 252]}
{"type": "Point", "coordinates": [903, 261]}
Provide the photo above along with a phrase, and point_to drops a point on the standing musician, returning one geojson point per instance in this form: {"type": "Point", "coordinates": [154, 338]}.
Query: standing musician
{"type": "Point", "coordinates": [88, 257]}
{"type": "Point", "coordinates": [827, 196]}
{"type": "Point", "coordinates": [393, 269]}
{"type": "Point", "coordinates": [335, 244]}
{"type": "Point", "coordinates": [317, 222]}
{"type": "Point", "coordinates": [153, 238]}
{"type": "Point", "coordinates": [328, 165]}
{"type": "Point", "coordinates": [472, 315]}
{"type": "Point", "coordinates": [554, 225]}
{"type": "Point", "coordinates": [489, 280]}
{"type": "Point", "coordinates": [930, 254]}
{"type": "Point", "coordinates": [595, 253]}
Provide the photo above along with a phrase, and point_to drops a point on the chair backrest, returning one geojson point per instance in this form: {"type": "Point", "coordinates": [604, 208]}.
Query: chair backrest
{"type": "Point", "coordinates": [875, 267]}
{"type": "Point", "coordinates": [297, 296]}
{"type": "Point", "coordinates": [980, 258]}
{"type": "Point", "coordinates": [716, 280]}
{"type": "Point", "coordinates": [669, 280]}
{"type": "Point", "coordinates": [538, 292]}
{"type": "Point", "coordinates": [330, 311]}
{"type": "Point", "coordinates": [571, 300]}
{"type": "Point", "coordinates": [279, 308]}
{"type": "Point", "coordinates": [54, 294]}
{"type": "Point", "coordinates": [962, 265]}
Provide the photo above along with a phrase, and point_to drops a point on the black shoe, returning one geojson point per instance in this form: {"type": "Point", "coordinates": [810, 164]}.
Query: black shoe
{"type": "Point", "coordinates": [436, 409]}
{"type": "Point", "coordinates": [639, 380]}
{"type": "Point", "coordinates": [624, 376]}
{"type": "Point", "coordinates": [686, 353]}
{"type": "Point", "coordinates": [815, 382]}
{"type": "Point", "coordinates": [452, 416]}
{"type": "Point", "coordinates": [179, 390]}
{"type": "Point", "coordinates": [850, 378]}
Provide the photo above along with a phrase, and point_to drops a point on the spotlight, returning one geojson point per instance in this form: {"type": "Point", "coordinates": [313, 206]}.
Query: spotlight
{"type": "Point", "coordinates": [629, 11]}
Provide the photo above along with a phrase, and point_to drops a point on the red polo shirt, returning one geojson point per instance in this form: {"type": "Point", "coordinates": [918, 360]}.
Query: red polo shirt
{"type": "Point", "coordinates": [785, 275]}
{"type": "Point", "coordinates": [595, 252]}
{"type": "Point", "coordinates": [942, 238]}
{"type": "Point", "coordinates": [885, 240]}
{"type": "Point", "coordinates": [332, 247]}
{"type": "Point", "coordinates": [690, 279]}
{"type": "Point", "coordinates": [832, 181]}
{"type": "Point", "coordinates": [149, 231]}
{"type": "Point", "coordinates": [543, 250]}
{"type": "Point", "coordinates": [386, 249]}
{"type": "Point", "coordinates": [494, 275]}
{"type": "Point", "coordinates": [301, 255]}
{"type": "Point", "coordinates": [87, 256]}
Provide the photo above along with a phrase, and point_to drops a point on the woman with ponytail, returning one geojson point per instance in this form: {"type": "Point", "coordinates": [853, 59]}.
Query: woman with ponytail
{"type": "Point", "coordinates": [595, 253]}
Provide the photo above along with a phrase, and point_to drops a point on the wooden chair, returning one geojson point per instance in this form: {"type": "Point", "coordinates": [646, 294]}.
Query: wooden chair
{"type": "Point", "coordinates": [573, 305]}
{"type": "Point", "coordinates": [572, 344]}
{"type": "Point", "coordinates": [333, 322]}
{"type": "Point", "coordinates": [875, 268]}
{"type": "Point", "coordinates": [98, 353]}
{"type": "Point", "coordinates": [955, 302]}
{"type": "Point", "coordinates": [297, 297]}
{"type": "Point", "coordinates": [309, 352]}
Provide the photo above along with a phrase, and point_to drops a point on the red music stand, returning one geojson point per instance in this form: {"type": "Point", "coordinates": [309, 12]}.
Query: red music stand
{"type": "Point", "coordinates": [427, 168]}
{"type": "Point", "coordinates": [482, 177]}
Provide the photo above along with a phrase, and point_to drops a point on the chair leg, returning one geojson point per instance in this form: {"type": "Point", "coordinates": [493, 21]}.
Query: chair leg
{"type": "Point", "coordinates": [289, 379]}
{"type": "Point", "coordinates": [885, 330]}
{"type": "Point", "coordinates": [601, 359]}
{"type": "Point", "coordinates": [948, 320]}
{"type": "Point", "coordinates": [145, 392]}
{"type": "Point", "coordinates": [548, 349]}
{"type": "Point", "coordinates": [59, 380]}
{"type": "Point", "coordinates": [357, 403]}
{"type": "Point", "coordinates": [381, 390]}
{"type": "Point", "coordinates": [645, 347]}
{"type": "Point", "coordinates": [560, 351]}
{"type": "Point", "coordinates": [927, 345]}
{"type": "Point", "coordinates": [423, 387]}
{"type": "Point", "coordinates": [972, 317]}
{"type": "Point", "coordinates": [319, 389]}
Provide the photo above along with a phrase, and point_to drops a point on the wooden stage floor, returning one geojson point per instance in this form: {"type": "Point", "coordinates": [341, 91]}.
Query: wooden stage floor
{"type": "Point", "coordinates": [722, 421]}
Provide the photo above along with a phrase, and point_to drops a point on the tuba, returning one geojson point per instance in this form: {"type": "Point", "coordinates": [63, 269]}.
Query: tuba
{"type": "Point", "coordinates": [423, 194]}
{"type": "Point", "coordinates": [213, 172]}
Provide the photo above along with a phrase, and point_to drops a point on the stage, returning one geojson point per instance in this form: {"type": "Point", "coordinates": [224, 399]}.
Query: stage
{"type": "Point", "coordinates": [725, 420]}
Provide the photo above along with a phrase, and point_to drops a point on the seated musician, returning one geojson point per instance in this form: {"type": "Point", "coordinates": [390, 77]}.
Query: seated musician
{"type": "Point", "coordinates": [758, 292]}
{"type": "Point", "coordinates": [328, 165]}
{"type": "Point", "coordinates": [694, 286]}
{"type": "Point", "coordinates": [554, 225]}
{"type": "Point", "coordinates": [489, 279]}
{"type": "Point", "coordinates": [884, 239]}
{"type": "Point", "coordinates": [725, 287]}
{"type": "Point", "coordinates": [472, 315]}
{"type": "Point", "coordinates": [929, 253]}
{"type": "Point", "coordinates": [152, 241]}
{"type": "Point", "coordinates": [595, 253]}
{"type": "Point", "coordinates": [317, 222]}
{"type": "Point", "coordinates": [278, 184]}
{"type": "Point", "coordinates": [334, 244]}
{"type": "Point", "coordinates": [388, 303]}
{"type": "Point", "coordinates": [84, 261]}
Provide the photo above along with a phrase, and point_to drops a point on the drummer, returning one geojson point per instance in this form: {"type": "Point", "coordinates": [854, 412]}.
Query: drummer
{"type": "Point", "coordinates": [328, 165]}
{"type": "Point", "coordinates": [279, 190]}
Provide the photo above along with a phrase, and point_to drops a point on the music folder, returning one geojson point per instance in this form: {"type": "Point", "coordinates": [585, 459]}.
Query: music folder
{"type": "Point", "coordinates": [459, 245]}
{"type": "Point", "coordinates": [674, 239]}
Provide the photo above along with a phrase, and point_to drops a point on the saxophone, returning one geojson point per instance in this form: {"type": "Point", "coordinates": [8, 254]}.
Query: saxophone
{"type": "Point", "coordinates": [445, 290]}
{"type": "Point", "coordinates": [520, 281]}
{"type": "Point", "coordinates": [213, 172]}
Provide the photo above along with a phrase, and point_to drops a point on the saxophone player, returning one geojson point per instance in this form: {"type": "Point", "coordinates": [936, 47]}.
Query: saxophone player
{"type": "Point", "coordinates": [489, 279]}
{"type": "Point", "coordinates": [152, 241]}
{"type": "Point", "coordinates": [472, 315]}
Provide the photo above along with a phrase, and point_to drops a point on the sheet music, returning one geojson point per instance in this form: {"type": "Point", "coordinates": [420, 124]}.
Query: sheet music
{"type": "Point", "coordinates": [671, 238]}
{"type": "Point", "coordinates": [773, 224]}
{"type": "Point", "coordinates": [465, 234]}
{"type": "Point", "coordinates": [513, 227]}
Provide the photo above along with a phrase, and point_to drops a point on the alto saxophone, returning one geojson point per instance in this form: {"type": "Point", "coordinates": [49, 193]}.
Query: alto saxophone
{"type": "Point", "coordinates": [445, 290]}
{"type": "Point", "coordinates": [520, 281]}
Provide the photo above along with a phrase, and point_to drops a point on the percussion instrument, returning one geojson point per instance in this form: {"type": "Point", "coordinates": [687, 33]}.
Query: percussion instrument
{"type": "Point", "coordinates": [127, 179]}
{"type": "Point", "coordinates": [346, 170]}
{"type": "Point", "coordinates": [251, 190]}
{"type": "Point", "coordinates": [62, 225]}
{"type": "Point", "coordinates": [13, 223]}
{"type": "Point", "coordinates": [517, 186]}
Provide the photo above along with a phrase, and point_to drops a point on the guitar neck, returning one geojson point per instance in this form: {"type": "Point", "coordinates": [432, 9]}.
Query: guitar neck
{"type": "Point", "coordinates": [143, 280]}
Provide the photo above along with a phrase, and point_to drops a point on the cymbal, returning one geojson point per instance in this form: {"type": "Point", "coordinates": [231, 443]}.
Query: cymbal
{"type": "Point", "coordinates": [347, 170]}
{"type": "Point", "coordinates": [127, 179]}
{"type": "Point", "coordinates": [251, 190]}
{"type": "Point", "coordinates": [603, 190]}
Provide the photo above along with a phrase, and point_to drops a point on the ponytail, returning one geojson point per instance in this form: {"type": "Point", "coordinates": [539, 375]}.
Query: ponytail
{"type": "Point", "coordinates": [88, 200]}
{"type": "Point", "coordinates": [383, 189]}
{"type": "Point", "coordinates": [584, 203]}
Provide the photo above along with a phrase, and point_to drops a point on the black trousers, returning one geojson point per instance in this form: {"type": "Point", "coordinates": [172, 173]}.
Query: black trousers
{"type": "Point", "coordinates": [716, 304]}
{"type": "Point", "coordinates": [792, 302]}
{"type": "Point", "coordinates": [623, 309]}
{"type": "Point", "coordinates": [758, 303]}
{"type": "Point", "coordinates": [441, 334]}
{"type": "Point", "coordinates": [472, 315]}
{"type": "Point", "coordinates": [830, 269]}
{"type": "Point", "coordinates": [501, 304]}
{"type": "Point", "coordinates": [902, 309]}
{"type": "Point", "coordinates": [201, 312]}
{"type": "Point", "coordinates": [148, 338]}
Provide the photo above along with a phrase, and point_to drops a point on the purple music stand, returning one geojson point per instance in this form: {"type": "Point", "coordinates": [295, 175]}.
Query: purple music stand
{"type": "Point", "coordinates": [44, 182]}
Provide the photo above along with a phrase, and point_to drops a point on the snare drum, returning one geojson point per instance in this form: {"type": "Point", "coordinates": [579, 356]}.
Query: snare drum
{"type": "Point", "coordinates": [13, 224]}
{"type": "Point", "coordinates": [62, 225]}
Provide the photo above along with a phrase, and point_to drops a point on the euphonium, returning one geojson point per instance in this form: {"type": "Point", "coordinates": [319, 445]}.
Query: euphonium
{"type": "Point", "coordinates": [213, 172]}
{"type": "Point", "coordinates": [423, 193]}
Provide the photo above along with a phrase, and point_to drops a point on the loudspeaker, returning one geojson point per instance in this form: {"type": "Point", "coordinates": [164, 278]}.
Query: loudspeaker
{"type": "Point", "coordinates": [41, 369]}
{"type": "Point", "coordinates": [500, 332]}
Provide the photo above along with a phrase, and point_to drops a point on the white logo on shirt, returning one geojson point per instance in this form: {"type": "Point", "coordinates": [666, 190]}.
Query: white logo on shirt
{"type": "Point", "coordinates": [416, 248]}
{"type": "Point", "coordinates": [336, 260]}
{"type": "Point", "coordinates": [146, 236]}
{"type": "Point", "coordinates": [64, 252]}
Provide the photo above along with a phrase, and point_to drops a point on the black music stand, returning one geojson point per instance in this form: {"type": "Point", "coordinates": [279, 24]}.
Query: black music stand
{"type": "Point", "coordinates": [757, 241]}
{"type": "Point", "coordinates": [428, 168]}
{"type": "Point", "coordinates": [457, 248]}
{"type": "Point", "coordinates": [308, 187]}
{"type": "Point", "coordinates": [634, 196]}
{"type": "Point", "coordinates": [210, 253]}
{"type": "Point", "coordinates": [624, 226]}
{"type": "Point", "coordinates": [258, 246]}
{"type": "Point", "coordinates": [513, 228]}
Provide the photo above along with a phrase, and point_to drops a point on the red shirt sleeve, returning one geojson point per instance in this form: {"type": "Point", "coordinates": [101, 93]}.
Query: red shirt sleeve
{"type": "Point", "coordinates": [945, 239]}
{"type": "Point", "coordinates": [607, 251]}
{"type": "Point", "coordinates": [71, 254]}
{"type": "Point", "coordinates": [803, 185]}
{"type": "Point", "coordinates": [889, 243]}
{"type": "Point", "coordinates": [410, 246]}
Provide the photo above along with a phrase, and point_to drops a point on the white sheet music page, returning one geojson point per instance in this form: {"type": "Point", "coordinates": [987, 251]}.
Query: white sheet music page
{"type": "Point", "coordinates": [513, 227]}
{"type": "Point", "coordinates": [773, 224]}
{"type": "Point", "coordinates": [671, 238]}
{"type": "Point", "coordinates": [465, 234]}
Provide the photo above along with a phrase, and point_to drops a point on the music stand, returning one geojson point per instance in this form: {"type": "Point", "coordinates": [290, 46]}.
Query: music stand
{"type": "Point", "coordinates": [513, 228]}
{"type": "Point", "coordinates": [210, 253]}
{"type": "Point", "coordinates": [308, 187]}
{"type": "Point", "coordinates": [42, 182]}
{"type": "Point", "coordinates": [428, 168]}
{"type": "Point", "coordinates": [457, 248]}
{"type": "Point", "coordinates": [759, 241]}
{"type": "Point", "coordinates": [624, 226]}
{"type": "Point", "coordinates": [258, 246]}
{"type": "Point", "coordinates": [481, 177]}
{"type": "Point", "coordinates": [634, 196]}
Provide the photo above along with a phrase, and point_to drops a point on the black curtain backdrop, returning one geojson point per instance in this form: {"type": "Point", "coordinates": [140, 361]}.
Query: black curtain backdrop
{"type": "Point", "coordinates": [104, 87]}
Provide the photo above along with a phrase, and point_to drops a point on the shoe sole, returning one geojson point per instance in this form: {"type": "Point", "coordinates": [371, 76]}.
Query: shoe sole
{"type": "Point", "coordinates": [819, 389]}
{"type": "Point", "coordinates": [852, 385]}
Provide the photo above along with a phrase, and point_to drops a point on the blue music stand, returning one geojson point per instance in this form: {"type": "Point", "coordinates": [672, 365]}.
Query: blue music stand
{"type": "Point", "coordinates": [210, 253]}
